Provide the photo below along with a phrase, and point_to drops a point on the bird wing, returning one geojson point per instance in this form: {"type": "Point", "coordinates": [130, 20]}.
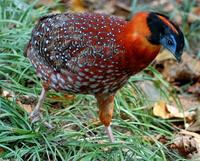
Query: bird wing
{"type": "Point", "coordinates": [69, 41]}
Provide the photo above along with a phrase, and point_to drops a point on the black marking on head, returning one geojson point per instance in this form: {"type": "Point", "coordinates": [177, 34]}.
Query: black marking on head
{"type": "Point", "coordinates": [156, 27]}
{"type": "Point", "coordinates": [160, 29]}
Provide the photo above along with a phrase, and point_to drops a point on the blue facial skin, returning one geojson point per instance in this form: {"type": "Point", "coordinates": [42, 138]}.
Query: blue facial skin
{"type": "Point", "coordinates": [171, 38]}
{"type": "Point", "coordinates": [169, 42]}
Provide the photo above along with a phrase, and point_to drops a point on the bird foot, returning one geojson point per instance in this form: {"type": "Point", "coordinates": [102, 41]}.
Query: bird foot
{"type": "Point", "coordinates": [110, 134]}
{"type": "Point", "coordinates": [36, 115]}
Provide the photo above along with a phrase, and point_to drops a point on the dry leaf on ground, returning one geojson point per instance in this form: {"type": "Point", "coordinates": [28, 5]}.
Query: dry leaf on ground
{"type": "Point", "coordinates": [189, 102]}
{"type": "Point", "coordinates": [185, 72]}
{"type": "Point", "coordinates": [63, 97]}
{"type": "Point", "coordinates": [77, 5]}
{"type": "Point", "coordinates": [7, 94]}
{"type": "Point", "coordinates": [195, 88]}
{"type": "Point", "coordinates": [187, 143]}
{"type": "Point", "coordinates": [165, 111]}
{"type": "Point", "coordinates": [152, 139]}
{"type": "Point", "coordinates": [26, 107]}
{"type": "Point", "coordinates": [195, 125]}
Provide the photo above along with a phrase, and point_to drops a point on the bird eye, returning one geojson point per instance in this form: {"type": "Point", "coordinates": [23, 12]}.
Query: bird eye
{"type": "Point", "coordinates": [170, 42]}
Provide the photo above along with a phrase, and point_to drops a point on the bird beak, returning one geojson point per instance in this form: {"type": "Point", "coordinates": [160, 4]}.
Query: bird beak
{"type": "Point", "coordinates": [172, 48]}
{"type": "Point", "coordinates": [178, 57]}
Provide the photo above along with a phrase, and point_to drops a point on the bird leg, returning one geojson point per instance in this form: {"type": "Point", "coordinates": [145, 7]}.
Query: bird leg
{"type": "Point", "coordinates": [35, 114]}
{"type": "Point", "coordinates": [106, 106]}
{"type": "Point", "coordinates": [110, 134]}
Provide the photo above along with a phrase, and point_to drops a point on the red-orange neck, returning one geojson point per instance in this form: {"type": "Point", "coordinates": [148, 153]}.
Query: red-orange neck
{"type": "Point", "coordinates": [139, 51]}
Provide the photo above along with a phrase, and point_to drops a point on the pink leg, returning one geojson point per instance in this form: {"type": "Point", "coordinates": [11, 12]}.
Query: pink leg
{"type": "Point", "coordinates": [36, 114]}
{"type": "Point", "coordinates": [110, 134]}
{"type": "Point", "coordinates": [106, 106]}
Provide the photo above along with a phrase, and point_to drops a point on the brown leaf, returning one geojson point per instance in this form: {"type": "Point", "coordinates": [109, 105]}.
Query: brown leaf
{"type": "Point", "coordinates": [153, 138]}
{"type": "Point", "coordinates": [189, 102]}
{"type": "Point", "coordinates": [187, 143]}
{"type": "Point", "coordinates": [195, 88]}
{"type": "Point", "coordinates": [62, 97]}
{"type": "Point", "coordinates": [192, 62]}
{"type": "Point", "coordinates": [186, 71]}
{"type": "Point", "coordinates": [175, 112]}
{"type": "Point", "coordinates": [165, 111]}
{"type": "Point", "coordinates": [7, 94]}
{"type": "Point", "coordinates": [77, 5]}
{"type": "Point", "coordinates": [195, 125]}
{"type": "Point", "coordinates": [160, 110]}
{"type": "Point", "coordinates": [26, 107]}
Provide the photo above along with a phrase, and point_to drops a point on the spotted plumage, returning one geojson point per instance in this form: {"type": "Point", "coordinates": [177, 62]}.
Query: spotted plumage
{"type": "Point", "coordinates": [77, 52]}
{"type": "Point", "coordinates": [95, 54]}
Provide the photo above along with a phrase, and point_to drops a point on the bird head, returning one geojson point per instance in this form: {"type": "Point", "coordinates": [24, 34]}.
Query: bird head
{"type": "Point", "coordinates": [166, 33]}
{"type": "Point", "coordinates": [154, 30]}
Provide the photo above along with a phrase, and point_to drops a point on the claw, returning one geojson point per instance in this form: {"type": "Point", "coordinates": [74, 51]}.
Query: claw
{"type": "Point", "coordinates": [35, 116]}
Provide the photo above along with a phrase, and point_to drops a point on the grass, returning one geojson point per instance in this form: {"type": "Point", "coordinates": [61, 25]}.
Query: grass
{"type": "Point", "coordinates": [77, 134]}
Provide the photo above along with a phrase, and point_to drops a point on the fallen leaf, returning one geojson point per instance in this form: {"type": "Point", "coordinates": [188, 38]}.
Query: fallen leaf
{"type": "Point", "coordinates": [188, 102]}
{"type": "Point", "coordinates": [195, 125]}
{"type": "Point", "coordinates": [77, 5]}
{"type": "Point", "coordinates": [62, 97]}
{"type": "Point", "coordinates": [185, 72]}
{"type": "Point", "coordinates": [192, 62]}
{"type": "Point", "coordinates": [7, 94]}
{"type": "Point", "coordinates": [175, 112]}
{"type": "Point", "coordinates": [152, 139]}
{"type": "Point", "coordinates": [69, 97]}
{"type": "Point", "coordinates": [187, 143]}
{"type": "Point", "coordinates": [195, 88]}
{"type": "Point", "coordinates": [165, 111]}
{"type": "Point", "coordinates": [182, 73]}
{"type": "Point", "coordinates": [26, 107]}
{"type": "Point", "coordinates": [160, 110]}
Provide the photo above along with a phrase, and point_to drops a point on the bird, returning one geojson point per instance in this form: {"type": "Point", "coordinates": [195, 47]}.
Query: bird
{"type": "Point", "coordinates": [92, 53]}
